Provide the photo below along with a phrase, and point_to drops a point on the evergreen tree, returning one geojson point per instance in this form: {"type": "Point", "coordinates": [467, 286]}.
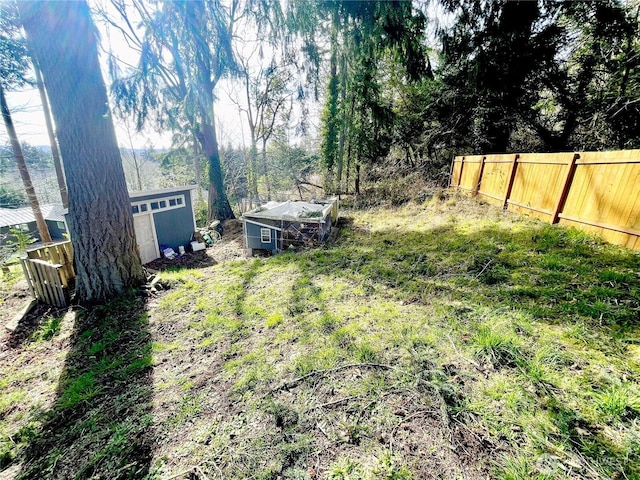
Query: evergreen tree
{"type": "Point", "coordinates": [185, 51]}
{"type": "Point", "coordinates": [100, 222]}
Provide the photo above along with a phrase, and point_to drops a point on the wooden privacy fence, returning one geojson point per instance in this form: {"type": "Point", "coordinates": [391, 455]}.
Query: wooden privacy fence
{"type": "Point", "coordinates": [598, 192]}
{"type": "Point", "coordinates": [48, 271]}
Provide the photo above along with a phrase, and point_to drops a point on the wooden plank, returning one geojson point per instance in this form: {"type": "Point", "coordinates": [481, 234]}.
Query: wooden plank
{"type": "Point", "coordinates": [495, 197]}
{"type": "Point", "coordinates": [633, 219]}
{"type": "Point", "coordinates": [460, 173]}
{"type": "Point", "coordinates": [611, 157]}
{"type": "Point", "coordinates": [479, 181]}
{"type": "Point", "coordinates": [582, 180]}
{"type": "Point", "coordinates": [56, 285]}
{"type": "Point", "coordinates": [67, 250]}
{"type": "Point", "coordinates": [533, 162]}
{"type": "Point", "coordinates": [43, 272]}
{"type": "Point", "coordinates": [628, 195]}
{"type": "Point", "coordinates": [606, 226]}
{"type": "Point", "coordinates": [543, 158]}
{"type": "Point", "coordinates": [452, 171]}
{"type": "Point", "coordinates": [512, 175]}
{"type": "Point", "coordinates": [17, 318]}
{"type": "Point", "coordinates": [54, 254]}
{"type": "Point", "coordinates": [47, 282]}
{"type": "Point", "coordinates": [37, 280]}
{"type": "Point", "coordinates": [53, 283]}
{"type": "Point", "coordinates": [616, 199]}
{"type": "Point", "coordinates": [27, 275]}
{"type": "Point", "coordinates": [564, 193]}
{"type": "Point", "coordinates": [529, 207]}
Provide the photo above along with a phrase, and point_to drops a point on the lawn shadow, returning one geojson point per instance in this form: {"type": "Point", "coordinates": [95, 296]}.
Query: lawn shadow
{"type": "Point", "coordinates": [100, 425]}
{"type": "Point", "coordinates": [39, 316]}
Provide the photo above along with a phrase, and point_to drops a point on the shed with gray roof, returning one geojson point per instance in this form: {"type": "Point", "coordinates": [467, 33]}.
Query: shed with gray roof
{"type": "Point", "coordinates": [277, 226]}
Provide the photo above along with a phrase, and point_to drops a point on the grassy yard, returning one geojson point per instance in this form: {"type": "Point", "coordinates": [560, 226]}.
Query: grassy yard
{"type": "Point", "coordinates": [444, 340]}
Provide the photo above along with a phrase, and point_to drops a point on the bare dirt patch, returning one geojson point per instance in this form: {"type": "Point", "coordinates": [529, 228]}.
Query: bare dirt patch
{"type": "Point", "coordinates": [231, 247]}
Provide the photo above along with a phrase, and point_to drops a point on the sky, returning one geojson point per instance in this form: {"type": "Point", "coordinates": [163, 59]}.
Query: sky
{"type": "Point", "coordinates": [26, 107]}
{"type": "Point", "coordinates": [29, 121]}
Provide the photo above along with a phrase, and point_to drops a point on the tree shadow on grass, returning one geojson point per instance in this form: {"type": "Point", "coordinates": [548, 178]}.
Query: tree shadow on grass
{"type": "Point", "coordinates": [40, 317]}
{"type": "Point", "coordinates": [101, 422]}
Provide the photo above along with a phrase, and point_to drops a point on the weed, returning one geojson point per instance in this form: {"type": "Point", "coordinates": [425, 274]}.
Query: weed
{"type": "Point", "coordinates": [274, 320]}
{"type": "Point", "coordinates": [284, 416]}
{"type": "Point", "coordinates": [6, 455]}
{"type": "Point", "coordinates": [320, 359]}
{"type": "Point", "coordinates": [365, 353]}
{"type": "Point", "coordinates": [80, 389]}
{"type": "Point", "coordinates": [9, 400]}
{"type": "Point", "coordinates": [514, 468]}
{"type": "Point", "coordinates": [496, 346]}
{"type": "Point", "coordinates": [616, 402]}
{"type": "Point", "coordinates": [190, 406]}
{"type": "Point", "coordinates": [345, 469]}
{"type": "Point", "coordinates": [388, 468]}
{"type": "Point", "coordinates": [49, 329]}
{"type": "Point", "coordinates": [327, 323]}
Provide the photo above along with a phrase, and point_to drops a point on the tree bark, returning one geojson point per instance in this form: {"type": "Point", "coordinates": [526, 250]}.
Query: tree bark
{"type": "Point", "coordinates": [253, 153]}
{"type": "Point", "coordinates": [343, 129]}
{"type": "Point", "coordinates": [265, 168]}
{"type": "Point", "coordinates": [22, 168]}
{"type": "Point", "coordinates": [63, 39]}
{"type": "Point", "coordinates": [55, 153]}
{"type": "Point", "coordinates": [219, 207]}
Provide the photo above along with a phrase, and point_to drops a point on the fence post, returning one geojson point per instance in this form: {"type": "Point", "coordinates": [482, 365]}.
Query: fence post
{"type": "Point", "coordinates": [571, 170]}
{"type": "Point", "coordinates": [512, 176]}
{"type": "Point", "coordinates": [480, 173]}
{"type": "Point", "coordinates": [460, 173]}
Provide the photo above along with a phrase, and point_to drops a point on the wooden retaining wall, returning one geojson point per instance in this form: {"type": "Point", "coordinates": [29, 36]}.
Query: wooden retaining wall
{"type": "Point", "coordinates": [598, 192]}
{"type": "Point", "coordinates": [60, 253]}
{"type": "Point", "coordinates": [48, 270]}
{"type": "Point", "coordinates": [44, 281]}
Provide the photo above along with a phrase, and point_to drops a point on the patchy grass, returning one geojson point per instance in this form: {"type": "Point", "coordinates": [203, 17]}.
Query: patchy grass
{"type": "Point", "coordinates": [10, 274]}
{"type": "Point", "coordinates": [444, 340]}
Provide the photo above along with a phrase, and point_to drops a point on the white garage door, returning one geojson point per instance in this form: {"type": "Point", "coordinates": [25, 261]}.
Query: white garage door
{"type": "Point", "coordinates": [145, 235]}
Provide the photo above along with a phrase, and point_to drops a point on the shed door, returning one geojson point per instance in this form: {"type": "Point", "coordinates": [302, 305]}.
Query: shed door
{"type": "Point", "coordinates": [146, 238]}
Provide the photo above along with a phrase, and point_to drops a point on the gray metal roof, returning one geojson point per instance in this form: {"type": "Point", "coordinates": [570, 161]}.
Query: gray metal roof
{"type": "Point", "coordinates": [16, 216]}
{"type": "Point", "coordinates": [297, 211]}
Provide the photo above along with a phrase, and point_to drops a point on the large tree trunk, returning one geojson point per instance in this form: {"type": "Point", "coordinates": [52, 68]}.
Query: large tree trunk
{"type": "Point", "coordinates": [265, 169]}
{"type": "Point", "coordinates": [253, 153]}
{"type": "Point", "coordinates": [63, 38]}
{"type": "Point", "coordinates": [344, 120]}
{"type": "Point", "coordinates": [253, 170]}
{"type": "Point", "coordinates": [55, 153]}
{"type": "Point", "coordinates": [22, 168]}
{"type": "Point", "coordinates": [219, 207]}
